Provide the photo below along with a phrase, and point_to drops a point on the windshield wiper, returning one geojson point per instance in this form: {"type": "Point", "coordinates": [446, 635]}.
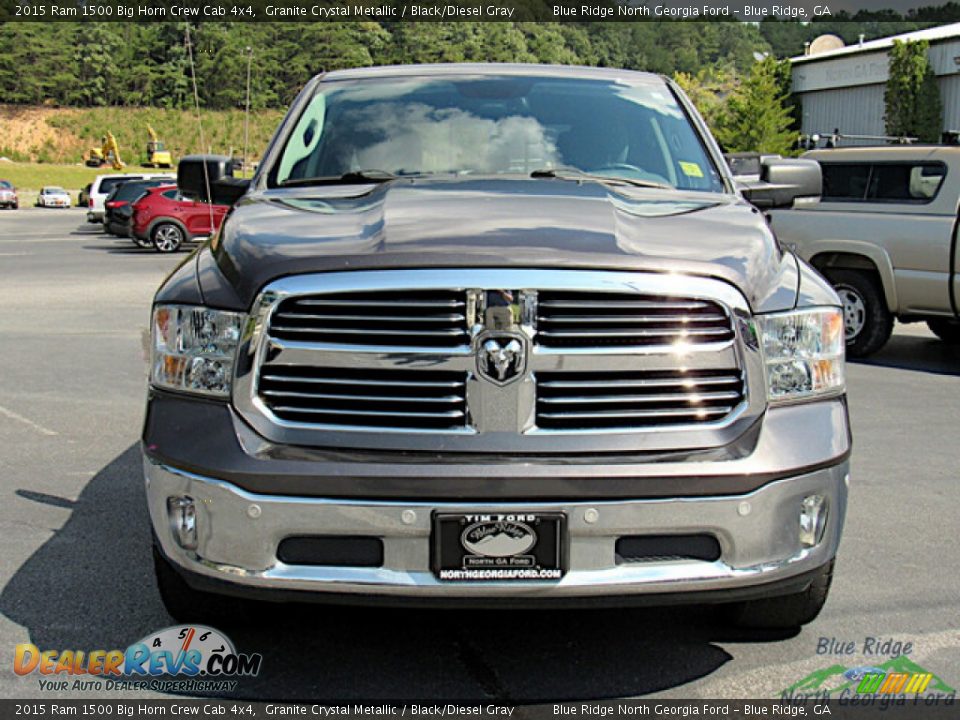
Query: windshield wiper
{"type": "Point", "coordinates": [354, 177]}
{"type": "Point", "coordinates": [572, 173]}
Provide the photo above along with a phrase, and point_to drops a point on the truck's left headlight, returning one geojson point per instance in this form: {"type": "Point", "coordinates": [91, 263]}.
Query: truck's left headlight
{"type": "Point", "coordinates": [803, 351]}
{"type": "Point", "coordinates": [193, 349]}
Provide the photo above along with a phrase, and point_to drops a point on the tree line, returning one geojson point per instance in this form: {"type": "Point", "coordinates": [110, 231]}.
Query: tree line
{"type": "Point", "coordinates": [732, 70]}
{"type": "Point", "coordinates": [146, 64]}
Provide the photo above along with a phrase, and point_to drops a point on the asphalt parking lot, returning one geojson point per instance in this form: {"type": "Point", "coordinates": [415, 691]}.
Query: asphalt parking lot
{"type": "Point", "coordinates": [75, 568]}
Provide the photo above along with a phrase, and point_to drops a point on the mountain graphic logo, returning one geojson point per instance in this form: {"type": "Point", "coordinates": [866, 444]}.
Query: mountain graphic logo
{"type": "Point", "coordinates": [499, 538]}
{"type": "Point", "coordinates": [899, 675]}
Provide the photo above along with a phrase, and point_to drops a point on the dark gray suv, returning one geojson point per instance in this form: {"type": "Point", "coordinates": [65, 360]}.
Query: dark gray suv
{"type": "Point", "coordinates": [496, 335]}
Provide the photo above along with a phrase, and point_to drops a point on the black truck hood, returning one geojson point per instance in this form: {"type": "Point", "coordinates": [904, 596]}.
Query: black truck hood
{"type": "Point", "coordinates": [542, 223]}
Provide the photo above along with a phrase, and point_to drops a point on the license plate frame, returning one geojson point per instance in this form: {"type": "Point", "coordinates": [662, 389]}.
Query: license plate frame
{"type": "Point", "coordinates": [498, 547]}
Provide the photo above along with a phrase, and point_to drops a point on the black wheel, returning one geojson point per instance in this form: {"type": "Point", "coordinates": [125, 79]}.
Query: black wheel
{"type": "Point", "coordinates": [787, 611]}
{"type": "Point", "coordinates": [184, 604]}
{"type": "Point", "coordinates": [946, 330]}
{"type": "Point", "coordinates": [867, 322]}
{"type": "Point", "coordinates": [167, 237]}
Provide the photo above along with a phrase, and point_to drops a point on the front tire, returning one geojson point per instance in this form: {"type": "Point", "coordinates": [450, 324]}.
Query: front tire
{"type": "Point", "coordinates": [786, 612]}
{"type": "Point", "coordinates": [946, 330]}
{"type": "Point", "coordinates": [167, 237]}
{"type": "Point", "coordinates": [186, 605]}
{"type": "Point", "coordinates": [867, 322]}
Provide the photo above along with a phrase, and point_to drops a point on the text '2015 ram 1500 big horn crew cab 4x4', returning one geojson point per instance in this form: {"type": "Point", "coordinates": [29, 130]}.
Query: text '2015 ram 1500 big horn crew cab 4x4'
{"type": "Point", "coordinates": [496, 335]}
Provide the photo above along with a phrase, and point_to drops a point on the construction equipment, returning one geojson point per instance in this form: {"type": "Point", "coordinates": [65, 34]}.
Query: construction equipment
{"type": "Point", "coordinates": [109, 152]}
{"type": "Point", "coordinates": [157, 154]}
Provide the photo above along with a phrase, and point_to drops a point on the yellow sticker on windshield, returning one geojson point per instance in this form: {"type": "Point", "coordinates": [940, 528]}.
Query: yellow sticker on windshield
{"type": "Point", "coordinates": [691, 169]}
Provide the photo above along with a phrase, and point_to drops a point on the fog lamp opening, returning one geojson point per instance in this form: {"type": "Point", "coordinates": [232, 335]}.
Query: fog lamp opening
{"type": "Point", "coordinates": [183, 521]}
{"type": "Point", "coordinates": [813, 520]}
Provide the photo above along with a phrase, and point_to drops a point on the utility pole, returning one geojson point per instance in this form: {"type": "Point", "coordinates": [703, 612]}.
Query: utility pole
{"type": "Point", "coordinates": [246, 117]}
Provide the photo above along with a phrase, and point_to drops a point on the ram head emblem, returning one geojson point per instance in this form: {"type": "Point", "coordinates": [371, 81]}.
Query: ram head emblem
{"type": "Point", "coordinates": [501, 359]}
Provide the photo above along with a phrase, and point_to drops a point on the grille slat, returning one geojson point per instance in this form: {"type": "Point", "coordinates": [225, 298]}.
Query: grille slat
{"type": "Point", "coordinates": [639, 333]}
{"type": "Point", "coordinates": [367, 399]}
{"type": "Point", "coordinates": [279, 330]}
{"type": "Point", "coordinates": [356, 398]}
{"type": "Point", "coordinates": [613, 304]}
{"type": "Point", "coordinates": [597, 319]}
{"type": "Point", "coordinates": [637, 414]}
{"type": "Point", "coordinates": [370, 413]}
{"type": "Point", "coordinates": [635, 400]}
{"type": "Point", "coordinates": [604, 319]}
{"type": "Point", "coordinates": [687, 382]}
{"type": "Point", "coordinates": [671, 397]}
{"type": "Point", "coordinates": [399, 318]}
{"type": "Point", "coordinates": [315, 302]}
{"type": "Point", "coordinates": [366, 318]}
{"type": "Point", "coordinates": [326, 380]}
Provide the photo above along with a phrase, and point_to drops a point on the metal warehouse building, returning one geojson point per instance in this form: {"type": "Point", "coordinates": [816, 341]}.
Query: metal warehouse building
{"type": "Point", "coordinates": [843, 87]}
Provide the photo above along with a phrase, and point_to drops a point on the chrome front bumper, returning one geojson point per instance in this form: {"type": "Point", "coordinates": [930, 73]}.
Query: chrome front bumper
{"type": "Point", "coordinates": [238, 534]}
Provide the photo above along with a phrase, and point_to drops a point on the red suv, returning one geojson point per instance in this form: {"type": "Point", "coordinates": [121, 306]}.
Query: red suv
{"type": "Point", "coordinates": [166, 220]}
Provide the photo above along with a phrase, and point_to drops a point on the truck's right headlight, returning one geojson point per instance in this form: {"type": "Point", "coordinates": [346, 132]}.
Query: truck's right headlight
{"type": "Point", "coordinates": [193, 349]}
{"type": "Point", "coordinates": [803, 352]}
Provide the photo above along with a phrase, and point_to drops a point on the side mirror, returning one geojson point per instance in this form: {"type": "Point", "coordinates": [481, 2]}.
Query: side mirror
{"type": "Point", "coordinates": [209, 179]}
{"type": "Point", "coordinates": [782, 181]}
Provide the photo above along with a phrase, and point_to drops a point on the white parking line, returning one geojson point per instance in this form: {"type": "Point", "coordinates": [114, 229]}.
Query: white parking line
{"type": "Point", "coordinates": [27, 421]}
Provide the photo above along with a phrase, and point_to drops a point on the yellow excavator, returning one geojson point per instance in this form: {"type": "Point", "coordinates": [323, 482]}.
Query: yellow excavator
{"type": "Point", "coordinates": [157, 154]}
{"type": "Point", "coordinates": [109, 152]}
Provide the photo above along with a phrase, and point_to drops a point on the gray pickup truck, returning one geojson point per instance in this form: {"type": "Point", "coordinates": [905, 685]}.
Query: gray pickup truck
{"type": "Point", "coordinates": [496, 335]}
{"type": "Point", "coordinates": [885, 235]}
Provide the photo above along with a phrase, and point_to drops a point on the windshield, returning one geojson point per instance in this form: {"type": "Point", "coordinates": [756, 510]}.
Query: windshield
{"type": "Point", "coordinates": [4, 184]}
{"type": "Point", "coordinates": [496, 125]}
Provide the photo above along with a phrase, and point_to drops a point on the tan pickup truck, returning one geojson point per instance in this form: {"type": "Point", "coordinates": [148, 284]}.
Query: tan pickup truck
{"type": "Point", "coordinates": [885, 234]}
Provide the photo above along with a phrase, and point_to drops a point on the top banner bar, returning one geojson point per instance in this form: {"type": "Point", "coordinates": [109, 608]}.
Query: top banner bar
{"type": "Point", "coordinates": [438, 10]}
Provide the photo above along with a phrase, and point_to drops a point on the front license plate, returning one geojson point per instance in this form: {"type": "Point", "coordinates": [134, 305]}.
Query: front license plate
{"type": "Point", "coordinates": [498, 547]}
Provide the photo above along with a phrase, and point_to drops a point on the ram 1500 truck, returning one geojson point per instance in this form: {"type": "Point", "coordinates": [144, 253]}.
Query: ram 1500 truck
{"type": "Point", "coordinates": [496, 335]}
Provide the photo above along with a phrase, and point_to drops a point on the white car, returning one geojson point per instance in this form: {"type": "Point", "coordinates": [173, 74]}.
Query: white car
{"type": "Point", "coordinates": [104, 184]}
{"type": "Point", "coordinates": [55, 197]}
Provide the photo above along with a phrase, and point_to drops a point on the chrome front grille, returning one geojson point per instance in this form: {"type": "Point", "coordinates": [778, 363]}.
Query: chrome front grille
{"type": "Point", "coordinates": [500, 361]}
{"type": "Point", "coordinates": [629, 400]}
{"type": "Point", "coordinates": [408, 399]}
{"type": "Point", "coordinates": [436, 318]}
{"type": "Point", "coordinates": [590, 319]}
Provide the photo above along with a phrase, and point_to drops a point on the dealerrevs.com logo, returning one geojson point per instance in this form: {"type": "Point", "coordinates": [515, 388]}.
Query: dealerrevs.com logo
{"type": "Point", "coordinates": [182, 657]}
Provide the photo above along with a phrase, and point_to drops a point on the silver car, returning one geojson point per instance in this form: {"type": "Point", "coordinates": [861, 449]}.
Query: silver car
{"type": "Point", "coordinates": [54, 197]}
